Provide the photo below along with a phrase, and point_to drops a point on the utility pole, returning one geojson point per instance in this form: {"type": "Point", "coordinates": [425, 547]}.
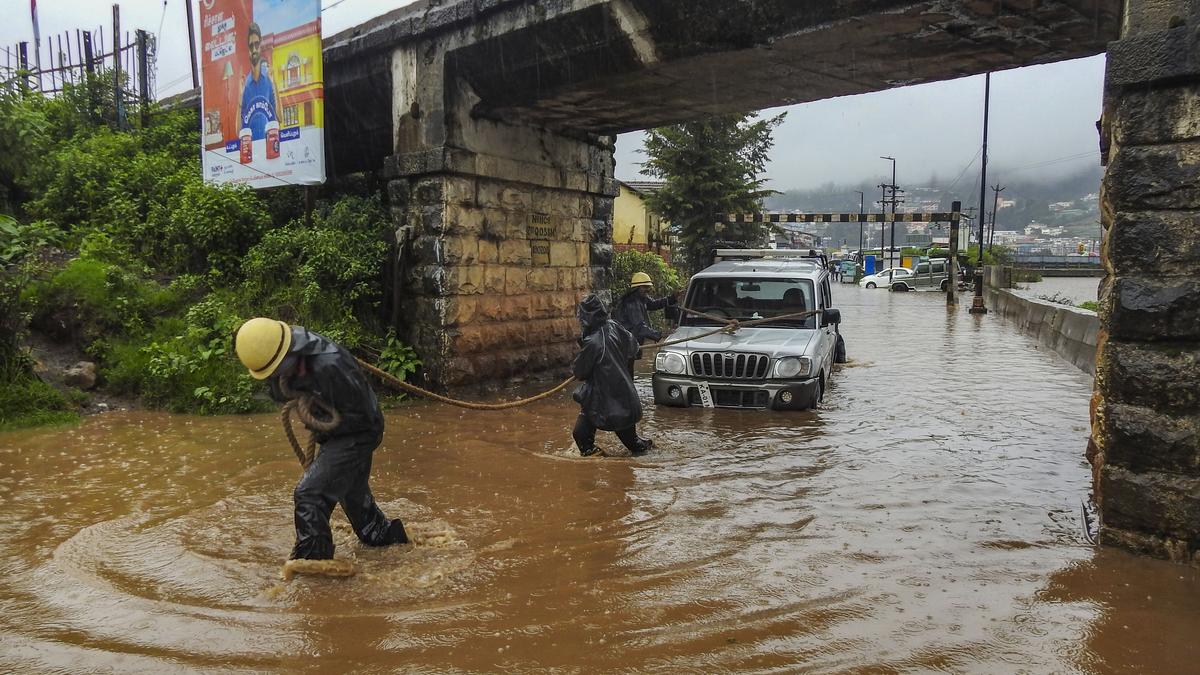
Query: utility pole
{"type": "Point", "coordinates": [996, 189]}
{"type": "Point", "coordinates": [977, 306]}
{"type": "Point", "coordinates": [861, 205]}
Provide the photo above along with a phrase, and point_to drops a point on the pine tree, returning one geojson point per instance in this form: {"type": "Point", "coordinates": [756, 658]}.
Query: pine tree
{"type": "Point", "coordinates": [711, 168]}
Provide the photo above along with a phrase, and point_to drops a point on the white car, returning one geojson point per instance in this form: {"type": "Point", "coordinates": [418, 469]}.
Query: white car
{"type": "Point", "coordinates": [885, 278]}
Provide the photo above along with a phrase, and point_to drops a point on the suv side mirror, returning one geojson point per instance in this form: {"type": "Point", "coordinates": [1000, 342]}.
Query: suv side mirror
{"type": "Point", "coordinates": [831, 316]}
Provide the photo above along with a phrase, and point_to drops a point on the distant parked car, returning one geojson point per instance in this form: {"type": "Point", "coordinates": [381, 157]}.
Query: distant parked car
{"type": "Point", "coordinates": [885, 278]}
{"type": "Point", "coordinates": [927, 275]}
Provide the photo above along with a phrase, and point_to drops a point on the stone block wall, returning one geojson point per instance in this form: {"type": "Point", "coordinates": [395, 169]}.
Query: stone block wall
{"type": "Point", "coordinates": [1145, 448]}
{"type": "Point", "coordinates": [494, 271]}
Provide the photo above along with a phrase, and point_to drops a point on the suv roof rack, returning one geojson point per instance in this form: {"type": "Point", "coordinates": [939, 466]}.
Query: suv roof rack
{"type": "Point", "coordinates": [764, 253]}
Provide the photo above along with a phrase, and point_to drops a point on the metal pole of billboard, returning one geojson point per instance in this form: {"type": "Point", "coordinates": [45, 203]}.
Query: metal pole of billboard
{"type": "Point", "coordinates": [192, 44]}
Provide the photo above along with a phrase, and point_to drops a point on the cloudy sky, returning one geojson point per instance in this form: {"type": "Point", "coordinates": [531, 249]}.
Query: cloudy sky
{"type": "Point", "coordinates": [1042, 118]}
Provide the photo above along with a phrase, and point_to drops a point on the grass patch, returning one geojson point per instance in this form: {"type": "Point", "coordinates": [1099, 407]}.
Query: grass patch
{"type": "Point", "coordinates": [30, 402]}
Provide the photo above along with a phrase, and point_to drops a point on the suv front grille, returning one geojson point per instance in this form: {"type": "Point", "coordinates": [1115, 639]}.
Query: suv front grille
{"type": "Point", "coordinates": [730, 365]}
{"type": "Point", "coordinates": [732, 398]}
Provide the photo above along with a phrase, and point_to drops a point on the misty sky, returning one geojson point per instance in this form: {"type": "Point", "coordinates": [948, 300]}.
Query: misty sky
{"type": "Point", "coordinates": [1042, 117]}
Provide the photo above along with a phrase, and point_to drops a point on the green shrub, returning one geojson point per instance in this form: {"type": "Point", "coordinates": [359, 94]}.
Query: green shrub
{"type": "Point", "coordinates": [88, 300]}
{"type": "Point", "coordinates": [327, 277]}
{"type": "Point", "coordinates": [28, 402]}
{"type": "Point", "coordinates": [666, 279]}
{"type": "Point", "coordinates": [1090, 305]}
{"type": "Point", "coordinates": [186, 364]}
{"type": "Point", "coordinates": [207, 229]}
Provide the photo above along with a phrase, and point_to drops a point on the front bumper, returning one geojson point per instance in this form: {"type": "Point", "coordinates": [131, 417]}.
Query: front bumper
{"type": "Point", "coordinates": [733, 394]}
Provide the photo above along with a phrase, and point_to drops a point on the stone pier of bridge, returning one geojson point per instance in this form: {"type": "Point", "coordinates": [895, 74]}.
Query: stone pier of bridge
{"type": "Point", "coordinates": [1145, 448]}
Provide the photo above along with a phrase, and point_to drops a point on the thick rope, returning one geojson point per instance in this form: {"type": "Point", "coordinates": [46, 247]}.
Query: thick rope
{"type": "Point", "coordinates": [310, 409]}
{"type": "Point", "coordinates": [470, 405]}
{"type": "Point", "coordinates": [730, 327]}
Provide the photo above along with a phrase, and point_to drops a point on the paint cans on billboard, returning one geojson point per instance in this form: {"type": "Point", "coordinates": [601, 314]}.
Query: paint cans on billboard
{"type": "Point", "coordinates": [247, 145]}
{"type": "Point", "coordinates": [272, 140]}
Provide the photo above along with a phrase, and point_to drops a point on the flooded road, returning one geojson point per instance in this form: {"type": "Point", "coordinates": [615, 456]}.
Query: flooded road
{"type": "Point", "coordinates": [1072, 289]}
{"type": "Point", "coordinates": [925, 518]}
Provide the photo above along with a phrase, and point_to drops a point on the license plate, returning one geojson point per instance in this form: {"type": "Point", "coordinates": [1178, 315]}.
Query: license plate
{"type": "Point", "coordinates": [706, 399]}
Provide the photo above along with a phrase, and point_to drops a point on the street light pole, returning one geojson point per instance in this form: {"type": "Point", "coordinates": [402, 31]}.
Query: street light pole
{"type": "Point", "coordinates": [893, 188]}
{"type": "Point", "coordinates": [977, 306]}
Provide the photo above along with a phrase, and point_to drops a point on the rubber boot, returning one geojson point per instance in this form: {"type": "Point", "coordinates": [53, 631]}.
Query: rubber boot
{"type": "Point", "coordinates": [396, 533]}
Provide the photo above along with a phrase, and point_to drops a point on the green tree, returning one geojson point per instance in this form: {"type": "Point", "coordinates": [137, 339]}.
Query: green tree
{"type": "Point", "coordinates": [711, 167]}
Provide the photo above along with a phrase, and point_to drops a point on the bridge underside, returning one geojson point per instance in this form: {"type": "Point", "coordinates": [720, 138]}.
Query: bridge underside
{"type": "Point", "coordinates": [493, 120]}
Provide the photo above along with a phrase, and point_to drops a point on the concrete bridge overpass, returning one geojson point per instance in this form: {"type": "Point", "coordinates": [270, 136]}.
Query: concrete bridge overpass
{"type": "Point", "coordinates": [493, 122]}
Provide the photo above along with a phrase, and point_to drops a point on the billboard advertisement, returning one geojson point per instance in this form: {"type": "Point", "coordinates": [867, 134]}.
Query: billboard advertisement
{"type": "Point", "coordinates": [262, 92]}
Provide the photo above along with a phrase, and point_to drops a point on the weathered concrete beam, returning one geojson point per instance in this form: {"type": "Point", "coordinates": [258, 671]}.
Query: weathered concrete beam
{"type": "Point", "coordinates": [602, 67]}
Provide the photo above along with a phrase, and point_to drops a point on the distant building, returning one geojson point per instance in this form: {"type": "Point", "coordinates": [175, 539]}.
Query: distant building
{"type": "Point", "coordinates": [634, 226]}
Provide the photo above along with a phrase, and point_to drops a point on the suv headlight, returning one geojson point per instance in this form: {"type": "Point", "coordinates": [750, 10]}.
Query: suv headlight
{"type": "Point", "coordinates": [793, 366]}
{"type": "Point", "coordinates": [670, 362]}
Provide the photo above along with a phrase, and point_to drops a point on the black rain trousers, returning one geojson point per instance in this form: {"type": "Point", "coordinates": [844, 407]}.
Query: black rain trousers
{"type": "Point", "coordinates": [339, 475]}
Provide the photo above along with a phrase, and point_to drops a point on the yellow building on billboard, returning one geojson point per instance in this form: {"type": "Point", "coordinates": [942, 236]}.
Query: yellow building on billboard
{"type": "Point", "coordinates": [296, 68]}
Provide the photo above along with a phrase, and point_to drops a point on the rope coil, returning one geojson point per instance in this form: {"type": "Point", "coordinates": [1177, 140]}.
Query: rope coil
{"type": "Point", "coordinates": [314, 413]}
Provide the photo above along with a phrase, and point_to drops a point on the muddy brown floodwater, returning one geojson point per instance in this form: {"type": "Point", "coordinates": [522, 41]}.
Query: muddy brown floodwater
{"type": "Point", "coordinates": [925, 518]}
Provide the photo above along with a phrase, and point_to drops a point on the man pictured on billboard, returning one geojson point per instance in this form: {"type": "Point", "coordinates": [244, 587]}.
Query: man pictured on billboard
{"type": "Point", "coordinates": [259, 104]}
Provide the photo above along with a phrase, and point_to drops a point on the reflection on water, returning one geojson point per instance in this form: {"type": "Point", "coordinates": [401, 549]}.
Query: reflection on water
{"type": "Point", "coordinates": [925, 518]}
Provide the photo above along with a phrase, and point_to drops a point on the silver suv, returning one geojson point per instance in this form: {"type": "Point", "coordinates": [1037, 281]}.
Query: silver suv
{"type": "Point", "coordinates": [778, 365]}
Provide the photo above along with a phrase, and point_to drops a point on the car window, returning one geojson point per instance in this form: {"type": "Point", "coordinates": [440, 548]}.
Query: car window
{"type": "Point", "coordinates": [923, 268]}
{"type": "Point", "coordinates": [900, 273]}
{"type": "Point", "coordinates": [751, 298]}
{"type": "Point", "coordinates": [939, 268]}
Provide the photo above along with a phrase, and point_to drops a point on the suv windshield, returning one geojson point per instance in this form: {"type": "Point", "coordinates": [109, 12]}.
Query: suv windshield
{"type": "Point", "coordinates": [745, 299]}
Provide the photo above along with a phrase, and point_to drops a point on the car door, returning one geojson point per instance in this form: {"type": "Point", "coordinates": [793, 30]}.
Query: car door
{"type": "Point", "coordinates": [941, 273]}
{"type": "Point", "coordinates": [920, 277]}
{"type": "Point", "coordinates": [901, 275]}
{"type": "Point", "coordinates": [826, 333]}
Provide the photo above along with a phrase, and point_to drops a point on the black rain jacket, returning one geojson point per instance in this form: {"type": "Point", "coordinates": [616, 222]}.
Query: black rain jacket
{"type": "Point", "coordinates": [633, 312]}
{"type": "Point", "coordinates": [333, 376]}
{"type": "Point", "coordinates": [607, 394]}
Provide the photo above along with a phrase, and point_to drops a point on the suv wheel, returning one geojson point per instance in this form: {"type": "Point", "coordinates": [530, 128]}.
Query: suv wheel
{"type": "Point", "coordinates": [820, 391]}
{"type": "Point", "coordinates": [900, 287]}
{"type": "Point", "coordinates": [945, 285]}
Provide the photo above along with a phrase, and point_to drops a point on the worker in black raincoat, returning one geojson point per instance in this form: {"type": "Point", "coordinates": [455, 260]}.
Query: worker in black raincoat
{"type": "Point", "coordinates": [292, 358]}
{"type": "Point", "coordinates": [607, 397]}
{"type": "Point", "coordinates": [633, 312]}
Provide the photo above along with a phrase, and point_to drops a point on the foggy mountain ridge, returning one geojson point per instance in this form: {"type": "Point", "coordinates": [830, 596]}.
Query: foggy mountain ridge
{"type": "Point", "coordinates": [1032, 198]}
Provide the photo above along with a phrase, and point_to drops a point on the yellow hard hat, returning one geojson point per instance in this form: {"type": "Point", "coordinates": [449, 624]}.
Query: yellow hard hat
{"type": "Point", "coordinates": [261, 345]}
{"type": "Point", "coordinates": [640, 279]}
